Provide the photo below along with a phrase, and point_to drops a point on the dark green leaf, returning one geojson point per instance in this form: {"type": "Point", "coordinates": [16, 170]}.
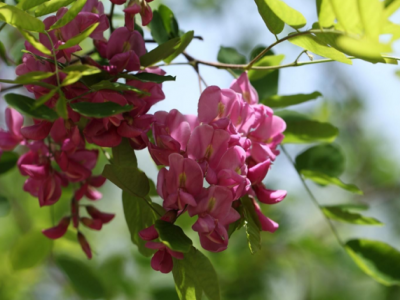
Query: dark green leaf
{"type": "Point", "coordinates": [230, 55]}
{"type": "Point", "coordinates": [8, 160]}
{"type": "Point", "coordinates": [170, 23]}
{"type": "Point", "coordinates": [149, 77]}
{"type": "Point", "coordinates": [115, 86]}
{"type": "Point", "coordinates": [160, 53]}
{"type": "Point", "coordinates": [237, 225]}
{"type": "Point", "coordinates": [99, 110]}
{"type": "Point", "coordinates": [124, 155]}
{"type": "Point", "coordinates": [184, 42]}
{"type": "Point", "coordinates": [83, 279]}
{"type": "Point", "coordinates": [128, 178]}
{"type": "Point", "coordinates": [3, 53]}
{"type": "Point", "coordinates": [173, 236]}
{"type": "Point", "coordinates": [252, 224]}
{"type": "Point", "coordinates": [266, 61]}
{"type": "Point", "coordinates": [26, 105]}
{"type": "Point", "coordinates": [79, 38]}
{"type": "Point", "coordinates": [30, 250]}
{"type": "Point", "coordinates": [5, 206]}
{"type": "Point", "coordinates": [324, 179]}
{"type": "Point", "coordinates": [341, 214]}
{"type": "Point", "coordinates": [158, 30]}
{"type": "Point", "coordinates": [46, 97]}
{"type": "Point", "coordinates": [61, 106]}
{"type": "Point", "coordinates": [72, 12]}
{"type": "Point", "coordinates": [195, 274]}
{"type": "Point", "coordinates": [283, 101]}
{"type": "Point", "coordinates": [153, 189]}
{"type": "Point", "coordinates": [51, 6]}
{"type": "Point", "coordinates": [377, 259]}
{"type": "Point", "coordinates": [327, 159]}
{"type": "Point", "coordinates": [20, 19]}
{"type": "Point", "coordinates": [139, 215]}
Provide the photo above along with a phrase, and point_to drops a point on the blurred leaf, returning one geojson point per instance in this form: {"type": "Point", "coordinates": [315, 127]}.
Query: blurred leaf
{"type": "Point", "coordinates": [228, 55]}
{"type": "Point", "coordinates": [266, 61]}
{"type": "Point", "coordinates": [51, 6]}
{"type": "Point", "coordinates": [173, 236]}
{"type": "Point", "coordinates": [149, 77]}
{"type": "Point", "coordinates": [371, 15]}
{"type": "Point", "coordinates": [315, 45]}
{"type": "Point", "coordinates": [273, 22]}
{"type": "Point", "coordinates": [363, 48]}
{"type": "Point", "coordinates": [71, 78]}
{"type": "Point", "coordinates": [300, 129]}
{"type": "Point", "coordinates": [124, 155]}
{"type": "Point", "coordinates": [35, 43]}
{"type": "Point", "coordinates": [138, 216]}
{"type": "Point", "coordinates": [30, 250]}
{"type": "Point", "coordinates": [3, 53]}
{"type": "Point", "coordinates": [326, 158]}
{"type": "Point", "coordinates": [348, 15]}
{"type": "Point", "coordinates": [33, 77]}
{"type": "Point", "coordinates": [324, 179]}
{"type": "Point", "coordinates": [5, 206]}
{"type": "Point", "coordinates": [252, 224]}
{"type": "Point", "coordinates": [391, 6]}
{"type": "Point", "coordinates": [326, 15]}
{"type": "Point", "coordinates": [72, 12]}
{"type": "Point", "coordinates": [278, 101]}
{"type": "Point", "coordinates": [61, 106]}
{"type": "Point", "coordinates": [338, 213]}
{"type": "Point", "coordinates": [195, 274]}
{"type": "Point", "coordinates": [115, 86]}
{"type": "Point", "coordinates": [79, 38]}
{"type": "Point", "coordinates": [25, 105]}
{"type": "Point", "coordinates": [8, 160]}
{"type": "Point", "coordinates": [153, 189]}
{"type": "Point", "coordinates": [99, 110]}
{"type": "Point", "coordinates": [185, 41]}
{"type": "Point", "coordinates": [128, 178]}
{"type": "Point", "coordinates": [377, 259]}
{"type": "Point", "coordinates": [160, 53]}
{"type": "Point", "coordinates": [28, 4]}
{"type": "Point", "coordinates": [158, 30]}
{"type": "Point", "coordinates": [83, 279]}
{"type": "Point", "coordinates": [85, 70]}
{"type": "Point", "coordinates": [46, 97]}
{"type": "Point", "coordinates": [352, 206]}
{"type": "Point", "coordinates": [20, 19]}
{"type": "Point", "coordinates": [170, 23]}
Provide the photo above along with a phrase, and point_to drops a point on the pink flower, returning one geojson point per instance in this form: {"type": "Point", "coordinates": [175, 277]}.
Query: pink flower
{"type": "Point", "coordinates": [138, 7]}
{"type": "Point", "coordinates": [267, 196]}
{"type": "Point", "coordinates": [98, 215]}
{"type": "Point", "coordinates": [94, 224]}
{"type": "Point", "coordinates": [9, 140]}
{"type": "Point", "coordinates": [59, 230]}
{"type": "Point", "coordinates": [84, 245]}
{"type": "Point", "coordinates": [162, 259]}
{"type": "Point", "coordinates": [181, 183]}
{"type": "Point", "coordinates": [243, 86]}
{"type": "Point", "coordinates": [87, 189]}
{"type": "Point", "coordinates": [37, 132]}
{"type": "Point", "coordinates": [96, 133]}
{"type": "Point", "coordinates": [266, 223]}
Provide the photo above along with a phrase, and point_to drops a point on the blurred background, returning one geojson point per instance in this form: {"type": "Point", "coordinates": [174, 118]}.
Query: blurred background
{"type": "Point", "coordinates": [302, 260]}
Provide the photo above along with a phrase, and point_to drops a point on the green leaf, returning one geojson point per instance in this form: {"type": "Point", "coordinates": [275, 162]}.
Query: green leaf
{"type": "Point", "coordinates": [138, 216]}
{"type": "Point", "coordinates": [149, 77]}
{"type": "Point", "coordinates": [341, 214]}
{"type": "Point", "coordinates": [30, 250]}
{"type": "Point", "coordinates": [20, 19]}
{"type": "Point", "coordinates": [228, 55]}
{"type": "Point", "coordinates": [266, 61]}
{"type": "Point", "coordinates": [8, 160]}
{"type": "Point", "coordinates": [352, 206]}
{"type": "Point", "coordinates": [348, 15]}
{"type": "Point", "coordinates": [61, 106]}
{"type": "Point", "coordinates": [273, 22]}
{"type": "Point", "coordinates": [281, 11]}
{"type": "Point", "coordinates": [252, 224]}
{"type": "Point", "coordinates": [128, 178]}
{"type": "Point", "coordinates": [26, 105]}
{"type": "Point", "coordinates": [184, 42]}
{"type": "Point", "coordinates": [28, 4]}
{"type": "Point", "coordinates": [3, 54]}
{"type": "Point", "coordinates": [115, 86]}
{"type": "Point", "coordinates": [33, 77]}
{"type": "Point", "coordinates": [43, 99]}
{"type": "Point", "coordinates": [377, 259]}
{"type": "Point", "coordinates": [326, 15]}
{"type": "Point", "coordinates": [83, 279]}
{"type": "Point", "coordinates": [79, 38]}
{"type": "Point", "coordinates": [371, 15]}
{"type": "Point", "coordinates": [72, 12]}
{"type": "Point", "coordinates": [99, 110]}
{"type": "Point", "coordinates": [194, 275]}
{"type": "Point", "coordinates": [153, 189]}
{"type": "Point", "coordinates": [160, 53]}
{"type": "Point", "coordinates": [124, 155]}
{"type": "Point", "coordinates": [51, 6]}
{"type": "Point", "coordinates": [85, 70]}
{"type": "Point", "coordinates": [170, 23]}
{"type": "Point", "coordinates": [283, 101]}
{"type": "Point", "coordinates": [326, 158]}
{"type": "Point", "coordinates": [5, 206]}
{"type": "Point", "coordinates": [35, 43]}
{"type": "Point", "coordinates": [237, 225]}
{"type": "Point", "coordinates": [391, 6]}
{"type": "Point", "coordinates": [362, 48]}
{"type": "Point", "coordinates": [300, 129]}
{"type": "Point", "coordinates": [158, 30]}
{"type": "Point", "coordinates": [173, 236]}
{"type": "Point", "coordinates": [315, 45]}
{"type": "Point", "coordinates": [71, 78]}
{"type": "Point", "coordinates": [324, 179]}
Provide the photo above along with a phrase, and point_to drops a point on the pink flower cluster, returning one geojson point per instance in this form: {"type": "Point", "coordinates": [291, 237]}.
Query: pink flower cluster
{"type": "Point", "coordinates": [57, 151]}
{"type": "Point", "coordinates": [213, 160]}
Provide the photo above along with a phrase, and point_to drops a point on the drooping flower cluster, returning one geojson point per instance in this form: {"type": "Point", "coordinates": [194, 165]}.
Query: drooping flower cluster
{"type": "Point", "coordinates": [230, 146]}
{"type": "Point", "coordinates": [57, 154]}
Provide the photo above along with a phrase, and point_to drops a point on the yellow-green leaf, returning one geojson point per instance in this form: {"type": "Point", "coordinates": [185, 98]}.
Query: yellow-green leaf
{"type": "Point", "coordinates": [70, 14]}
{"type": "Point", "coordinates": [391, 6]}
{"type": "Point", "coordinates": [266, 61]}
{"type": "Point", "coordinates": [72, 77]}
{"type": "Point", "coordinates": [51, 6]}
{"type": "Point", "coordinates": [286, 13]}
{"type": "Point", "coordinates": [363, 48]}
{"type": "Point", "coordinates": [35, 43]}
{"type": "Point", "coordinates": [85, 70]}
{"type": "Point", "coordinates": [80, 37]}
{"type": "Point", "coordinates": [28, 4]}
{"type": "Point", "coordinates": [326, 15]}
{"type": "Point", "coordinates": [43, 99]}
{"type": "Point", "coordinates": [185, 41]}
{"type": "Point", "coordinates": [371, 13]}
{"type": "Point", "coordinates": [20, 19]}
{"type": "Point", "coordinates": [274, 24]}
{"type": "Point", "coordinates": [283, 101]}
{"type": "Point", "coordinates": [348, 15]}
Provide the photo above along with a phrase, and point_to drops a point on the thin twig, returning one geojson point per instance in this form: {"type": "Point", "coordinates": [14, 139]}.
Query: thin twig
{"type": "Point", "coordinates": [197, 37]}
{"type": "Point", "coordinates": [110, 17]}
{"type": "Point", "coordinates": [195, 66]}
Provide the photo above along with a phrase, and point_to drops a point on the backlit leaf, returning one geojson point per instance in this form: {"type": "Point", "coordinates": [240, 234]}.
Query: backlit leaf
{"type": "Point", "coordinates": [266, 61]}
{"type": "Point", "coordinates": [70, 14]}
{"type": "Point", "coordinates": [79, 38]}
{"type": "Point", "coordinates": [161, 52]}
{"type": "Point", "coordinates": [326, 15]}
{"type": "Point", "coordinates": [20, 19]}
{"type": "Point", "coordinates": [35, 43]}
{"type": "Point", "coordinates": [51, 6]}
{"type": "Point", "coordinates": [273, 22]}
{"type": "Point", "coordinates": [28, 4]}
{"type": "Point", "coordinates": [184, 42]}
{"type": "Point", "coordinates": [173, 236]}
{"type": "Point", "coordinates": [5, 206]}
